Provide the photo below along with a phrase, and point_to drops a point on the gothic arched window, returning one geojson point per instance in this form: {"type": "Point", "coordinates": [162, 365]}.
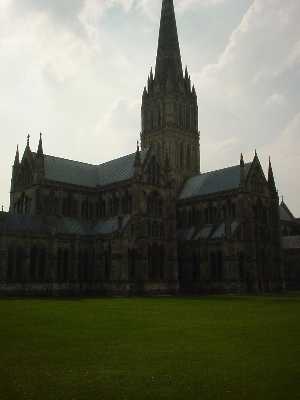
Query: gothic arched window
{"type": "Point", "coordinates": [153, 172]}
{"type": "Point", "coordinates": [155, 205]}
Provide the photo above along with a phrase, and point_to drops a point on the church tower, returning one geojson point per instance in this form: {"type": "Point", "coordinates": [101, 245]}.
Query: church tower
{"type": "Point", "coordinates": [169, 105]}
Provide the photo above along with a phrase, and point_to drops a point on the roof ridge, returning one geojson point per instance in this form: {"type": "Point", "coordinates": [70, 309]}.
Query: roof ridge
{"type": "Point", "coordinates": [92, 165]}
{"type": "Point", "coordinates": [220, 169]}
{"type": "Point", "coordinates": [122, 157]}
{"type": "Point", "coordinates": [116, 159]}
{"type": "Point", "coordinates": [68, 159]}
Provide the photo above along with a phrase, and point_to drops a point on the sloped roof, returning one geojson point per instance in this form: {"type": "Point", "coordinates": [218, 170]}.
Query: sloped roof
{"type": "Point", "coordinates": [22, 224]}
{"type": "Point", "coordinates": [205, 232]}
{"type": "Point", "coordinates": [291, 242]}
{"type": "Point", "coordinates": [219, 233]}
{"type": "Point", "coordinates": [111, 225]}
{"type": "Point", "coordinates": [285, 213]}
{"type": "Point", "coordinates": [10, 223]}
{"type": "Point", "coordinates": [77, 173]}
{"type": "Point", "coordinates": [185, 234]}
{"type": "Point", "coordinates": [43, 225]}
{"type": "Point", "coordinates": [68, 171]}
{"type": "Point", "coordinates": [213, 182]}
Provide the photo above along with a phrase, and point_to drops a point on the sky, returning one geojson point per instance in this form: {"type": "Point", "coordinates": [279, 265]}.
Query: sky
{"type": "Point", "coordinates": [75, 71]}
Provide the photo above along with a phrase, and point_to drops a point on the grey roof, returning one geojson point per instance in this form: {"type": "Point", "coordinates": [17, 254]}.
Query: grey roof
{"type": "Point", "coordinates": [185, 234]}
{"type": "Point", "coordinates": [285, 213]}
{"type": "Point", "coordinates": [22, 224]}
{"type": "Point", "coordinates": [213, 182]}
{"type": "Point", "coordinates": [234, 226]}
{"type": "Point", "coordinates": [68, 171]}
{"type": "Point", "coordinates": [291, 242]}
{"type": "Point", "coordinates": [82, 174]}
{"type": "Point", "coordinates": [111, 225]}
{"type": "Point", "coordinates": [10, 223]}
{"type": "Point", "coordinates": [205, 232]}
{"type": "Point", "coordinates": [219, 233]}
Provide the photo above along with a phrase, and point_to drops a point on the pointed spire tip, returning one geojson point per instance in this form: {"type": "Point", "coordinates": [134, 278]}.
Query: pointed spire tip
{"type": "Point", "coordinates": [168, 60]}
{"type": "Point", "coordinates": [40, 146]}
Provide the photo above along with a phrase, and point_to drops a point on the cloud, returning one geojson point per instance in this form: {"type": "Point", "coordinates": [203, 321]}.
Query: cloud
{"type": "Point", "coordinates": [248, 94]}
{"type": "Point", "coordinates": [276, 99]}
{"type": "Point", "coordinates": [286, 160]}
{"type": "Point", "coordinates": [185, 4]}
{"type": "Point", "coordinates": [76, 70]}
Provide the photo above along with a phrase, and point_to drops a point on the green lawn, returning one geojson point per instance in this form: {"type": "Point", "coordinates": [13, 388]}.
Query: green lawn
{"type": "Point", "coordinates": [161, 348]}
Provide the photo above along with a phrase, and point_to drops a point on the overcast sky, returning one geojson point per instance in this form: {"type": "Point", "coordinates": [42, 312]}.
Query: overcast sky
{"type": "Point", "coordinates": [75, 70]}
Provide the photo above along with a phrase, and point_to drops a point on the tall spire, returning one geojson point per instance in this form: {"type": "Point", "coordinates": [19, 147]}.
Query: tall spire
{"type": "Point", "coordinates": [169, 104]}
{"type": "Point", "coordinates": [40, 151]}
{"type": "Point", "coordinates": [168, 60]}
{"type": "Point", "coordinates": [242, 171]}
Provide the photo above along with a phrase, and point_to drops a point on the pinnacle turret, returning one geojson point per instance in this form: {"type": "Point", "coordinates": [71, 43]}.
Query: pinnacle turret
{"type": "Point", "coordinates": [17, 157]}
{"type": "Point", "coordinates": [40, 151]}
{"type": "Point", "coordinates": [242, 171]}
{"type": "Point", "coordinates": [137, 160]}
{"type": "Point", "coordinates": [271, 180]}
{"type": "Point", "coordinates": [242, 163]}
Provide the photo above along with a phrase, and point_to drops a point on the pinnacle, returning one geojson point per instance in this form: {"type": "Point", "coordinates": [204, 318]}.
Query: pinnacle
{"type": "Point", "coordinates": [17, 157]}
{"type": "Point", "coordinates": [242, 163]}
{"type": "Point", "coordinates": [40, 151]}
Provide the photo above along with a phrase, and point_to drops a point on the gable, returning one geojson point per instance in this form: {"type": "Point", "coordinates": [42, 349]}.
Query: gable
{"type": "Point", "coordinates": [24, 172]}
{"type": "Point", "coordinates": [256, 180]}
{"type": "Point", "coordinates": [285, 213]}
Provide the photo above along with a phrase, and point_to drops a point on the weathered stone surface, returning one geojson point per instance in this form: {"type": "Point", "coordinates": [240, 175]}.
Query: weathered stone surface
{"type": "Point", "coordinates": [147, 223]}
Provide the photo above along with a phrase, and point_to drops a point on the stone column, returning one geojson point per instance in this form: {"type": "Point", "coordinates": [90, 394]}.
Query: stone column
{"type": "Point", "coordinates": [99, 262]}
{"type": "Point", "coordinates": [3, 259]}
{"type": "Point", "coordinates": [75, 259]}
{"type": "Point", "coordinates": [52, 259]}
{"type": "Point", "coordinates": [26, 272]}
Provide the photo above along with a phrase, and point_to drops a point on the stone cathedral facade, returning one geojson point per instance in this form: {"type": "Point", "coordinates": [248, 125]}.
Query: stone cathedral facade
{"type": "Point", "coordinates": [146, 223]}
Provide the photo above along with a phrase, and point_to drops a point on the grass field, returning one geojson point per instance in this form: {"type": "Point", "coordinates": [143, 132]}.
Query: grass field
{"type": "Point", "coordinates": [161, 348]}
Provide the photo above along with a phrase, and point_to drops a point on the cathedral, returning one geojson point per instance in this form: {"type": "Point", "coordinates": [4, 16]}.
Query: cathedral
{"type": "Point", "coordinates": [146, 223]}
